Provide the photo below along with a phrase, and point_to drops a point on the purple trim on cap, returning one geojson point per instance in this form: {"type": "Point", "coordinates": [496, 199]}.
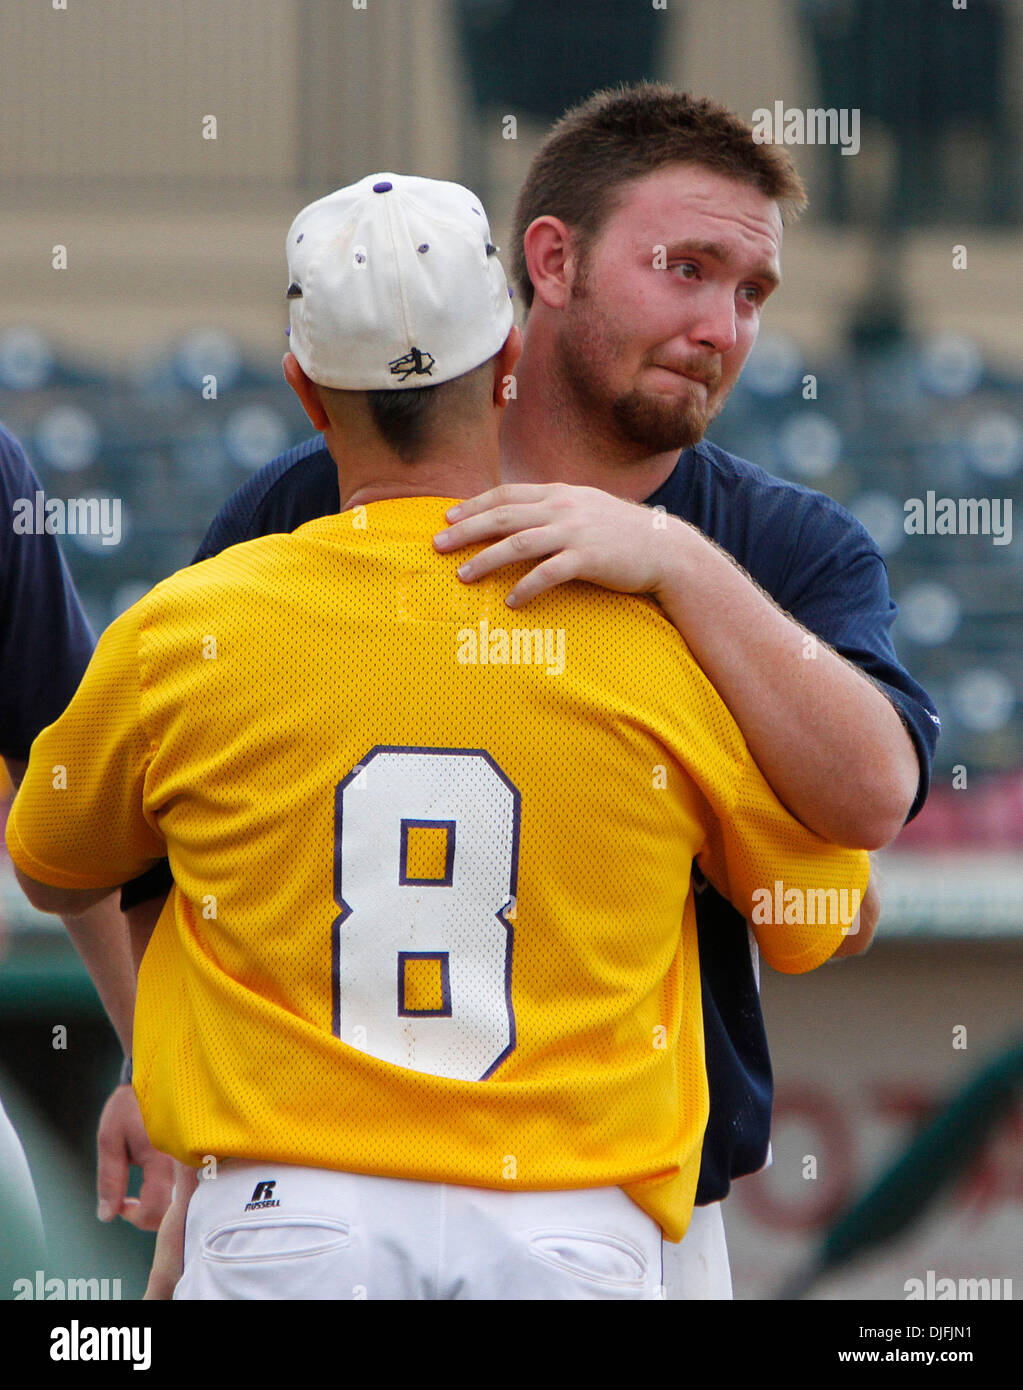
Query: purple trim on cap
{"type": "Point", "coordinates": [287, 333]}
{"type": "Point", "coordinates": [425, 247]}
{"type": "Point", "coordinates": [383, 187]}
{"type": "Point", "coordinates": [299, 237]}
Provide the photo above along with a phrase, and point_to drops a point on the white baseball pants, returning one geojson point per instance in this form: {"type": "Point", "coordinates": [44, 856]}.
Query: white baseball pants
{"type": "Point", "coordinates": [274, 1231]}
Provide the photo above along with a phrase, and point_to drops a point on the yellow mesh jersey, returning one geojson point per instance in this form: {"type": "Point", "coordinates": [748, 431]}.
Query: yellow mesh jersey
{"type": "Point", "coordinates": [432, 915]}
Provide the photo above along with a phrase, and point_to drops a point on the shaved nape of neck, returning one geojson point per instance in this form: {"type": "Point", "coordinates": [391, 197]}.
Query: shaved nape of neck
{"type": "Point", "coordinates": [411, 421]}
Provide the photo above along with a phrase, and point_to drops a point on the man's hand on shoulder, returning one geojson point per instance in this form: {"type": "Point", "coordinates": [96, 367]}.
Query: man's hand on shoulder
{"type": "Point", "coordinates": [574, 533]}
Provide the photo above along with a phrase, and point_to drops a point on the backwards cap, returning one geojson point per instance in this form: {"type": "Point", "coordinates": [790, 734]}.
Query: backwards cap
{"type": "Point", "coordinates": [394, 282]}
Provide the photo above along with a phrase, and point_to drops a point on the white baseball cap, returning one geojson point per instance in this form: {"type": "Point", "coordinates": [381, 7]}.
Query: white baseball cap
{"type": "Point", "coordinates": [394, 282]}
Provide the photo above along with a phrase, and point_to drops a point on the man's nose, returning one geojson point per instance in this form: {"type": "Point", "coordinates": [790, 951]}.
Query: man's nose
{"type": "Point", "coordinates": [714, 327]}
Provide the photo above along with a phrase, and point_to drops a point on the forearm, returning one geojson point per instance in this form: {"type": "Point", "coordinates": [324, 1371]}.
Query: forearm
{"type": "Point", "coordinates": [828, 741]}
{"type": "Point", "coordinates": [111, 945]}
{"type": "Point", "coordinates": [100, 936]}
{"type": "Point", "coordinates": [168, 1256]}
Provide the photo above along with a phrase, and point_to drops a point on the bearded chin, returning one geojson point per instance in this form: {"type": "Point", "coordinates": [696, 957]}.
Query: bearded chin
{"type": "Point", "coordinates": [652, 423]}
{"type": "Point", "coordinates": [657, 423]}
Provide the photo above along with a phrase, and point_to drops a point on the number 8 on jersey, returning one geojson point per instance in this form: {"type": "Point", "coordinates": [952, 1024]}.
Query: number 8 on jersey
{"type": "Point", "coordinates": [425, 866]}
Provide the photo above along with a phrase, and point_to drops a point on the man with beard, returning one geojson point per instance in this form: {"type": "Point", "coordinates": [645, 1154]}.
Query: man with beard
{"type": "Point", "coordinates": [647, 238]}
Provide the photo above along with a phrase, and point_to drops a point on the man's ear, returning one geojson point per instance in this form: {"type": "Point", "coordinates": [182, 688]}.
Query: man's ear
{"type": "Point", "coordinates": [551, 260]}
{"type": "Point", "coordinates": [306, 391]}
{"type": "Point", "coordinates": [504, 367]}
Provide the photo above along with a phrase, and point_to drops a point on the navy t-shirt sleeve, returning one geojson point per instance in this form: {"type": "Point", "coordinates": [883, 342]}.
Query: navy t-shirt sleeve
{"type": "Point", "coordinates": [294, 488]}
{"type": "Point", "coordinates": [839, 590]}
{"type": "Point", "coordinates": [45, 638]}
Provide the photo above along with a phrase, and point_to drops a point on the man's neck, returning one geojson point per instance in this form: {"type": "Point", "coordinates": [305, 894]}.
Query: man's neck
{"type": "Point", "coordinates": [368, 472]}
{"type": "Point", "coordinates": [543, 442]}
{"type": "Point", "coordinates": [450, 484]}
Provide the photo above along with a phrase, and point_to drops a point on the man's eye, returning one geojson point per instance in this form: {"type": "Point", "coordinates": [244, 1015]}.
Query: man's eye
{"type": "Point", "coordinates": [754, 294]}
{"type": "Point", "coordinates": [685, 266]}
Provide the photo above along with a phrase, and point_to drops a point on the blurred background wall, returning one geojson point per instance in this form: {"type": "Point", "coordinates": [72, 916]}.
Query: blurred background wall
{"type": "Point", "coordinates": [166, 149]}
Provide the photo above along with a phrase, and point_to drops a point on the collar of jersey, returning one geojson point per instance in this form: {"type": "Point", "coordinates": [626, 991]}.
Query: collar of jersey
{"type": "Point", "coordinates": [407, 516]}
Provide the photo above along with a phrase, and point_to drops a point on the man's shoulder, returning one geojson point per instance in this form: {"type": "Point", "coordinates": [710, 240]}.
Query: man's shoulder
{"type": "Point", "coordinates": [713, 469]}
{"type": "Point", "coordinates": [780, 531]}
{"type": "Point", "coordinates": [236, 570]}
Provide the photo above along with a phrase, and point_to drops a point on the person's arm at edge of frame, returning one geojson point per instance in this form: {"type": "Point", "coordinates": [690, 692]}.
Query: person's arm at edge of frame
{"type": "Point", "coordinates": [99, 934]}
{"type": "Point", "coordinates": [106, 941]}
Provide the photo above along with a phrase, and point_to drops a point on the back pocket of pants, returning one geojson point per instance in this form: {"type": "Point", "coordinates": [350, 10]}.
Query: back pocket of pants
{"type": "Point", "coordinates": [591, 1255]}
{"type": "Point", "coordinates": [275, 1238]}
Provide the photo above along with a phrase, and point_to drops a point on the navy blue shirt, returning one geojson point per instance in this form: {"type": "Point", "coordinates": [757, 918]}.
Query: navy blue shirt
{"type": "Point", "coordinates": [45, 638]}
{"type": "Point", "coordinates": [819, 564]}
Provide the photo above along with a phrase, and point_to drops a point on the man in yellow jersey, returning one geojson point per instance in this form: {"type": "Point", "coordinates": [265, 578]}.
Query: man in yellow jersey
{"type": "Point", "coordinates": [426, 987]}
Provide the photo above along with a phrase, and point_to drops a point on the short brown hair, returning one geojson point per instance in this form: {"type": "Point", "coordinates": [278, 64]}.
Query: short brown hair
{"type": "Point", "coordinates": [621, 134]}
